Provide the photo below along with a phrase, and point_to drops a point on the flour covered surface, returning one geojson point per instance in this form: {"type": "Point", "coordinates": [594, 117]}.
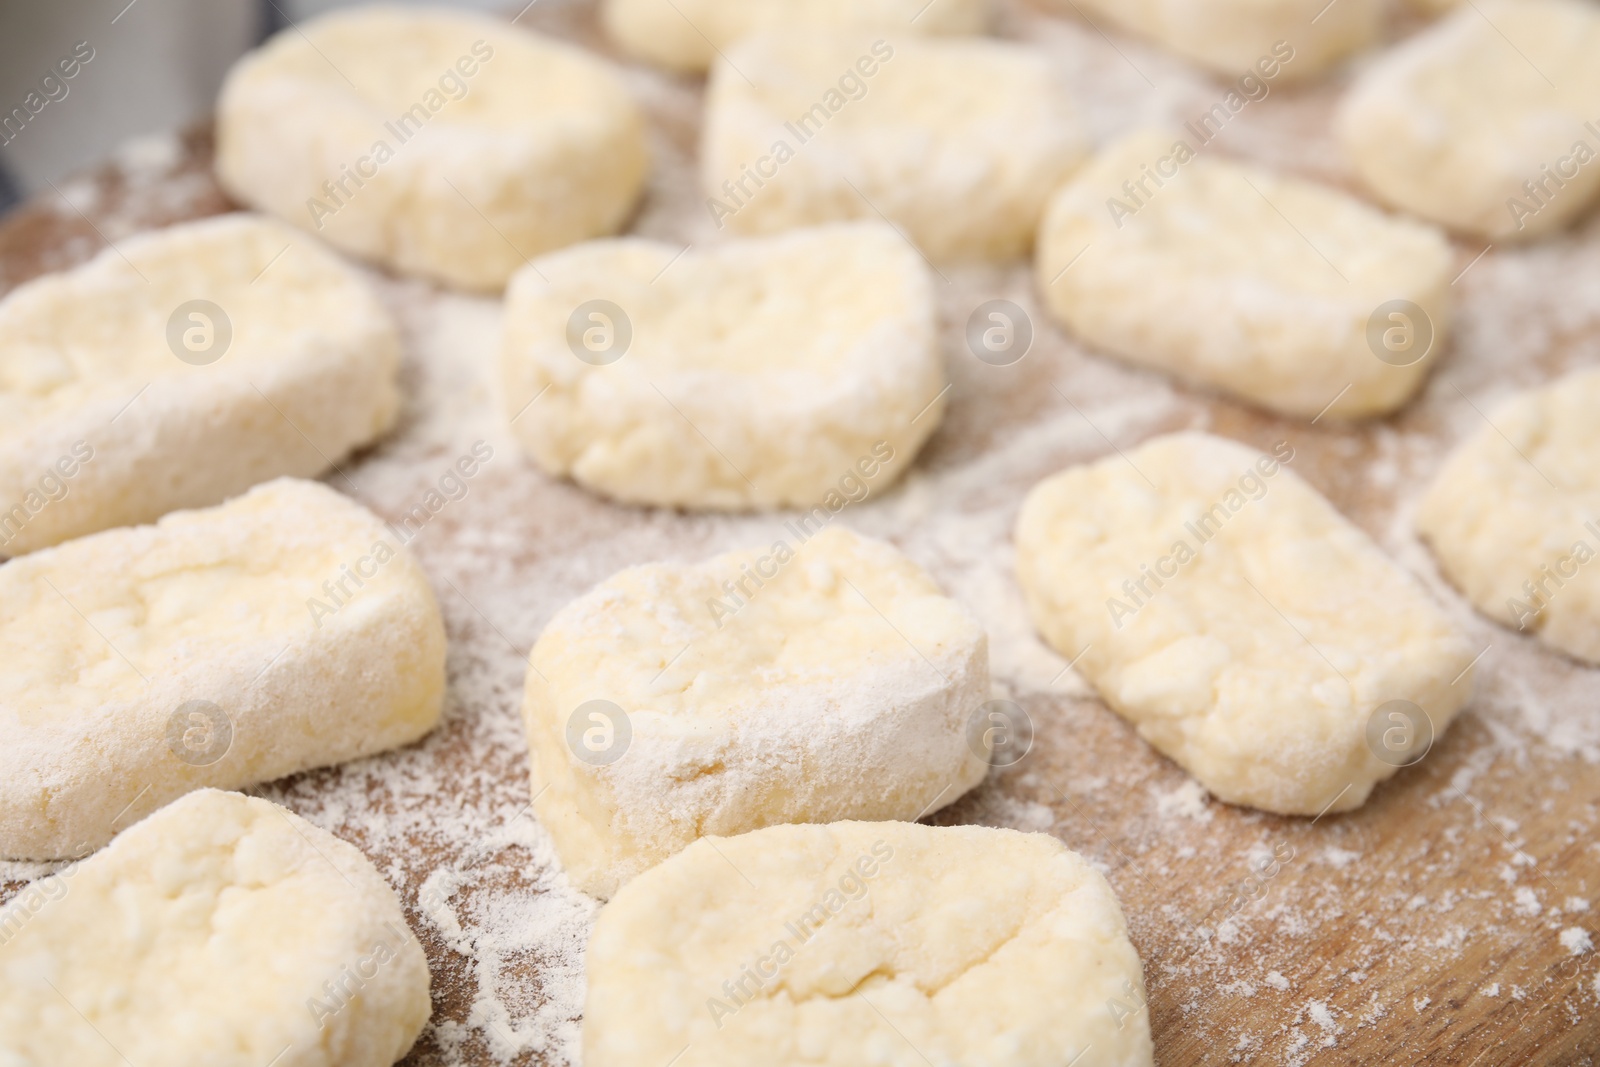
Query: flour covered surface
{"type": "Point", "coordinates": [180, 369]}
{"type": "Point", "coordinates": [283, 630]}
{"type": "Point", "coordinates": [822, 678]}
{"type": "Point", "coordinates": [867, 943]}
{"type": "Point", "coordinates": [221, 931]}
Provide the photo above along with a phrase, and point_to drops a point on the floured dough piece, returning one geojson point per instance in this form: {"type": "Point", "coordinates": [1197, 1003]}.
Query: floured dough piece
{"type": "Point", "coordinates": [1232, 36]}
{"type": "Point", "coordinates": [885, 943]}
{"type": "Point", "coordinates": [959, 143]}
{"type": "Point", "coordinates": [1488, 122]}
{"type": "Point", "coordinates": [286, 629]}
{"type": "Point", "coordinates": [752, 374]}
{"type": "Point", "coordinates": [222, 931]}
{"type": "Point", "coordinates": [687, 34]}
{"type": "Point", "coordinates": [1235, 277]}
{"type": "Point", "coordinates": [822, 678]}
{"type": "Point", "coordinates": [216, 355]}
{"type": "Point", "coordinates": [1523, 548]}
{"type": "Point", "coordinates": [1236, 619]}
{"type": "Point", "coordinates": [434, 142]}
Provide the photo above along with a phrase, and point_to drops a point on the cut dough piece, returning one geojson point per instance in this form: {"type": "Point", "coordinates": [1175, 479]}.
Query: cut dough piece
{"type": "Point", "coordinates": [822, 678]}
{"type": "Point", "coordinates": [223, 930]}
{"type": "Point", "coordinates": [883, 943]}
{"type": "Point", "coordinates": [1232, 36]}
{"type": "Point", "coordinates": [1522, 548]}
{"type": "Point", "coordinates": [1235, 618]}
{"type": "Point", "coordinates": [286, 629]}
{"type": "Point", "coordinates": [959, 143]}
{"type": "Point", "coordinates": [1267, 286]}
{"type": "Point", "coordinates": [1488, 122]}
{"type": "Point", "coordinates": [687, 34]}
{"type": "Point", "coordinates": [437, 143]}
{"type": "Point", "coordinates": [123, 396]}
{"type": "Point", "coordinates": [754, 374]}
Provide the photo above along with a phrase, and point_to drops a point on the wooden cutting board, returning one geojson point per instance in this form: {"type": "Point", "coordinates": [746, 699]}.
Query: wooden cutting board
{"type": "Point", "coordinates": [1446, 922]}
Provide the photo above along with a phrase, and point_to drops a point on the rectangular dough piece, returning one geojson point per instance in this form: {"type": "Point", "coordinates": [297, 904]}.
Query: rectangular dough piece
{"type": "Point", "coordinates": [284, 630]}
{"type": "Point", "coordinates": [1244, 626]}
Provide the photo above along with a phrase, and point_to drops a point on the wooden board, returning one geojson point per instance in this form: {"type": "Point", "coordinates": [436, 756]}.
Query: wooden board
{"type": "Point", "coordinates": [1425, 928]}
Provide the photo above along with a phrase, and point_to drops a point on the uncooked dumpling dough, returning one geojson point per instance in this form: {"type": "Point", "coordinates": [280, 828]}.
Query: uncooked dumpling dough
{"type": "Point", "coordinates": [856, 943]}
{"type": "Point", "coordinates": [1232, 36]}
{"type": "Point", "coordinates": [752, 374]}
{"type": "Point", "coordinates": [433, 142]}
{"type": "Point", "coordinates": [286, 629]}
{"type": "Point", "coordinates": [1238, 621]}
{"type": "Point", "coordinates": [1488, 122]}
{"type": "Point", "coordinates": [687, 34]}
{"type": "Point", "coordinates": [179, 369]}
{"type": "Point", "coordinates": [222, 931]}
{"type": "Point", "coordinates": [958, 142]}
{"type": "Point", "coordinates": [1287, 293]}
{"type": "Point", "coordinates": [823, 677]}
{"type": "Point", "coordinates": [1523, 548]}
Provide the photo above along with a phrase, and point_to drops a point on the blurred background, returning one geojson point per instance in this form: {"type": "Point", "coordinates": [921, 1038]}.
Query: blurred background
{"type": "Point", "coordinates": [156, 66]}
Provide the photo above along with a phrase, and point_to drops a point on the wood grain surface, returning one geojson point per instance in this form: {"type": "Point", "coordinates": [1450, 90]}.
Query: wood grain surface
{"type": "Point", "coordinates": [1424, 928]}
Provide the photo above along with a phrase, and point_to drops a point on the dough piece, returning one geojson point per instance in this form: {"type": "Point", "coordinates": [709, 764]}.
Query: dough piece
{"type": "Point", "coordinates": [286, 629]}
{"type": "Point", "coordinates": [839, 688]}
{"type": "Point", "coordinates": [688, 34]}
{"type": "Point", "coordinates": [436, 143]}
{"type": "Point", "coordinates": [1262, 285]}
{"type": "Point", "coordinates": [753, 374]}
{"type": "Point", "coordinates": [222, 931]}
{"type": "Point", "coordinates": [959, 143]}
{"type": "Point", "coordinates": [1488, 122]}
{"type": "Point", "coordinates": [1521, 548]}
{"type": "Point", "coordinates": [1235, 618]}
{"type": "Point", "coordinates": [1232, 36]}
{"type": "Point", "coordinates": [122, 399]}
{"type": "Point", "coordinates": [883, 943]}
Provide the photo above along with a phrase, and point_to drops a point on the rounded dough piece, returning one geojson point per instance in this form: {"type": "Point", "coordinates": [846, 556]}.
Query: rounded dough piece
{"type": "Point", "coordinates": [215, 648]}
{"type": "Point", "coordinates": [1488, 122]}
{"type": "Point", "coordinates": [103, 424]}
{"type": "Point", "coordinates": [222, 931]}
{"type": "Point", "coordinates": [754, 374]}
{"type": "Point", "coordinates": [1523, 548]}
{"type": "Point", "coordinates": [433, 142]}
{"type": "Point", "coordinates": [1174, 596]}
{"type": "Point", "coordinates": [958, 143]}
{"type": "Point", "coordinates": [1232, 36]}
{"type": "Point", "coordinates": [1266, 285]}
{"type": "Point", "coordinates": [841, 687]}
{"type": "Point", "coordinates": [687, 34]}
{"type": "Point", "coordinates": [884, 943]}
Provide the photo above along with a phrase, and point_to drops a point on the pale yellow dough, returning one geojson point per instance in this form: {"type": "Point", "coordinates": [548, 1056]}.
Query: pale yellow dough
{"type": "Point", "coordinates": [687, 34]}
{"type": "Point", "coordinates": [1456, 123]}
{"type": "Point", "coordinates": [958, 142]}
{"type": "Point", "coordinates": [856, 943]}
{"type": "Point", "coordinates": [1257, 662]}
{"type": "Point", "coordinates": [1514, 516]}
{"type": "Point", "coordinates": [1231, 36]}
{"type": "Point", "coordinates": [109, 641]}
{"type": "Point", "coordinates": [756, 373]}
{"type": "Point", "coordinates": [841, 688]}
{"type": "Point", "coordinates": [434, 142]}
{"type": "Point", "coordinates": [1239, 278]}
{"type": "Point", "coordinates": [298, 369]}
{"type": "Point", "coordinates": [222, 931]}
